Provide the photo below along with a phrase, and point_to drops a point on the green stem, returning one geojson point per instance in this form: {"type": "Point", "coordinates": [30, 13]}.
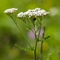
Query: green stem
{"type": "Point", "coordinates": [39, 30]}
{"type": "Point", "coordinates": [20, 30]}
{"type": "Point", "coordinates": [41, 46]}
{"type": "Point", "coordinates": [35, 55]}
{"type": "Point", "coordinates": [41, 51]}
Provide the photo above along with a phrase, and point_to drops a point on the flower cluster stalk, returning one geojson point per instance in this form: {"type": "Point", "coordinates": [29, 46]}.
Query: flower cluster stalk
{"type": "Point", "coordinates": [14, 20]}
{"type": "Point", "coordinates": [41, 45]}
{"type": "Point", "coordinates": [35, 55]}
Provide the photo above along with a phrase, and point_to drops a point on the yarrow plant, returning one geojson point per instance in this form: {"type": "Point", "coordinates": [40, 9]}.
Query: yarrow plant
{"type": "Point", "coordinates": [33, 19]}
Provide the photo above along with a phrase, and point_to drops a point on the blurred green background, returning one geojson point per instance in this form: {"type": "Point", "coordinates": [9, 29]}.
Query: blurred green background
{"type": "Point", "coordinates": [10, 35]}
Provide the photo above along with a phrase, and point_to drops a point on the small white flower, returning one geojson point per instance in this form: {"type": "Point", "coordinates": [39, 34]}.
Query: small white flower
{"type": "Point", "coordinates": [43, 12]}
{"type": "Point", "coordinates": [20, 14]}
{"type": "Point", "coordinates": [10, 11]}
{"type": "Point", "coordinates": [30, 14]}
{"type": "Point", "coordinates": [33, 13]}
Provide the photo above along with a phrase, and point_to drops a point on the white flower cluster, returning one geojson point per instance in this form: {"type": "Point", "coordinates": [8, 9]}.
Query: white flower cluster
{"type": "Point", "coordinates": [35, 12]}
{"type": "Point", "coordinates": [10, 11]}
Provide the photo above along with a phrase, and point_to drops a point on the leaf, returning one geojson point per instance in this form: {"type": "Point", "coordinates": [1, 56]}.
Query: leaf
{"type": "Point", "coordinates": [25, 49]}
{"type": "Point", "coordinates": [47, 37]}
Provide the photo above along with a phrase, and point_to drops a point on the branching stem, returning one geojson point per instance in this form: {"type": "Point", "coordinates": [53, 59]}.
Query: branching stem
{"type": "Point", "coordinates": [14, 20]}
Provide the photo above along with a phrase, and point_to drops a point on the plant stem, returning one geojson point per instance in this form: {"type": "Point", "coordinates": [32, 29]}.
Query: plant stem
{"type": "Point", "coordinates": [35, 50]}
{"type": "Point", "coordinates": [41, 46]}
{"type": "Point", "coordinates": [35, 55]}
{"type": "Point", "coordinates": [14, 20]}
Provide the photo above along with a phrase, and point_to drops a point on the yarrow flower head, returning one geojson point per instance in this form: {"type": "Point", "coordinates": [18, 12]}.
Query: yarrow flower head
{"type": "Point", "coordinates": [35, 13]}
{"type": "Point", "coordinates": [10, 11]}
